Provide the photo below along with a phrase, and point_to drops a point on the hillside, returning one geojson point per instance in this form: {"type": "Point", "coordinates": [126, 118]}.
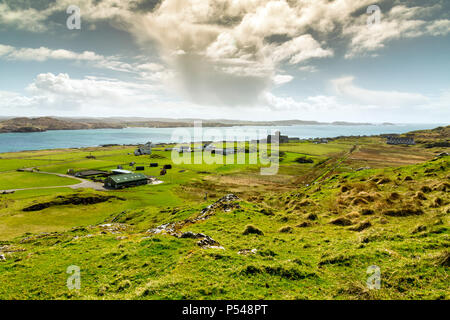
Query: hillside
{"type": "Point", "coordinates": [48, 123]}
{"type": "Point", "coordinates": [309, 232]}
{"type": "Point", "coordinates": [40, 124]}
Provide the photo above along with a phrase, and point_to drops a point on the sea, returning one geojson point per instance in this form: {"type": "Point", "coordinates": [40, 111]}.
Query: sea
{"type": "Point", "coordinates": [55, 139]}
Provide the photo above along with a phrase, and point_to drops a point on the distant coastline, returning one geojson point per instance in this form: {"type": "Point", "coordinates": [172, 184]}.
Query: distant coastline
{"type": "Point", "coordinates": [42, 124]}
{"type": "Point", "coordinates": [64, 139]}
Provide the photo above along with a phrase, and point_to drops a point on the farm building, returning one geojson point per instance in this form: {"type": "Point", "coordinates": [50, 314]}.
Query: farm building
{"type": "Point", "coordinates": [125, 180]}
{"type": "Point", "coordinates": [272, 138]}
{"type": "Point", "coordinates": [400, 140]}
{"type": "Point", "coordinates": [182, 149]}
{"type": "Point", "coordinates": [281, 139]}
{"type": "Point", "coordinates": [90, 173]}
{"type": "Point", "coordinates": [208, 147]}
{"type": "Point", "coordinates": [224, 151]}
{"type": "Point", "coordinates": [121, 171]}
{"type": "Point", "coordinates": [320, 141]}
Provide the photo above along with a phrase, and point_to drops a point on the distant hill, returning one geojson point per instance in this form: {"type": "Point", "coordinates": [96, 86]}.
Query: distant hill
{"type": "Point", "coordinates": [24, 124]}
{"type": "Point", "coordinates": [47, 123]}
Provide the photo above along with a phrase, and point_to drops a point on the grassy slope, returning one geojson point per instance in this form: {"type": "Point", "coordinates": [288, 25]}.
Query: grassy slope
{"type": "Point", "coordinates": [396, 218]}
{"type": "Point", "coordinates": [22, 180]}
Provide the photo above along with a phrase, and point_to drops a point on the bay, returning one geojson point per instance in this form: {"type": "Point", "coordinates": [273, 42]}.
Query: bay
{"type": "Point", "coordinates": [54, 139]}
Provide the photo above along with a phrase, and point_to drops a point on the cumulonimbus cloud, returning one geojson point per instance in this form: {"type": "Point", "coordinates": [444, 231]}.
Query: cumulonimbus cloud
{"type": "Point", "coordinates": [227, 52]}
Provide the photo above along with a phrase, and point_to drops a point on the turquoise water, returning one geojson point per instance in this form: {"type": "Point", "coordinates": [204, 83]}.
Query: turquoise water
{"type": "Point", "coordinates": [10, 142]}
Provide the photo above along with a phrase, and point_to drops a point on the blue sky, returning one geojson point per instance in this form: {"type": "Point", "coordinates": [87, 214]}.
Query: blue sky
{"type": "Point", "coordinates": [255, 60]}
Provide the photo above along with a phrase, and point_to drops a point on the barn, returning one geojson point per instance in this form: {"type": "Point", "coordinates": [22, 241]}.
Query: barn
{"type": "Point", "coordinates": [125, 180]}
{"type": "Point", "coordinates": [400, 140]}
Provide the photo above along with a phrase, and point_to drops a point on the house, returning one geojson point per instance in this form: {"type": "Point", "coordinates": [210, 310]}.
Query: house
{"type": "Point", "coordinates": [224, 151]}
{"type": "Point", "coordinates": [208, 147]}
{"type": "Point", "coordinates": [182, 149]}
{"type": "Point", "coordinates": [400, 140]}
{"type": "Point", "coordinates": [90, 173]}
{"type": "Point", "coordinates": [121, 171]}
{"type": "Point", "coordinates": [144, 149]}
{"type": "Point", "coordinates": [121, 181]}
{"type": "Point", "coordinates": [320, 141]}
{"type": "Point", "coordinates": [277, 136]}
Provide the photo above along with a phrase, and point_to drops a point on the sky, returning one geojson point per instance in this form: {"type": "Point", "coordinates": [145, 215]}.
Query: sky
{"type": "Point", "coordinates": [342, 60]}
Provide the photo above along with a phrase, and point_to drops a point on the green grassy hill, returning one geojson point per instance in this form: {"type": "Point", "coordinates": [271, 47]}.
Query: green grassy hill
{"type": "Point", "coordinates": [309, 232]}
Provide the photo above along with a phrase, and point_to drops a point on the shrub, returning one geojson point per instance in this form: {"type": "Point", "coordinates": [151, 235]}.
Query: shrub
{"type": "Point", "coordinates": [286, 229]}
{"type": "Point", "coordinates": [367, 212]}
{"type": "Point", "coordinates": [312, 216]}
{"type": "Point", "coordinates": [252, 230]}
{"type": "Point", "coordinates": [342, 222]}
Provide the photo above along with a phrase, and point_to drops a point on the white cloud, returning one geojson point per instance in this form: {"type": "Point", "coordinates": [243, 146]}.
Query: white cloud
{"type": "Point", "coordinates": [229, 52]}
{"type": "Point", "coordinates": [344, 87]}
{"type": "Point", "coordinates": [43, 54]}
{"type": "Point", "coordinates": [399, 22]}
{"type": "Point", "coordinates": [91, 95]}
{"type": "Point", "coordinates": [148, 70]}
{"type": "Point", "coordinates": [310, 69]}
{"type": "Point", "coordinates": [280, 79]}
{"type": "Point", "coordinates": [299, 49]}
{"type": "Point", "coordinates": [227, 44]}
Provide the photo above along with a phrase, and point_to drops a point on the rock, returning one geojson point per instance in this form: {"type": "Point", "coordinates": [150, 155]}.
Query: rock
{"type": "Point", "coordinates": [192, 235]}
{"type": "Point", "coordinates": [168, 227]}
{"type": "Point", "coordinates": [226, 203]}
{"type": "Point", "coordinates": [247, 251]}
{"type": "Point", "coordinates": [208, 242]}
{"type": "Point", "coordinates": [2, 257]}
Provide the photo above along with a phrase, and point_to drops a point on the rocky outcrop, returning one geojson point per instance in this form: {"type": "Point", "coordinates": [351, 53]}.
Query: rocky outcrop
{"type": "Point", "coordinates": [226, 203]}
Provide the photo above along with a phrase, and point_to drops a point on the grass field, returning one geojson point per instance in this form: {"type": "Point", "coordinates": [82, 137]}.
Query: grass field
{"type": "Point", "coordinates": [309, 232]}
{"type": "Point", "coordinates": [22, 180]}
